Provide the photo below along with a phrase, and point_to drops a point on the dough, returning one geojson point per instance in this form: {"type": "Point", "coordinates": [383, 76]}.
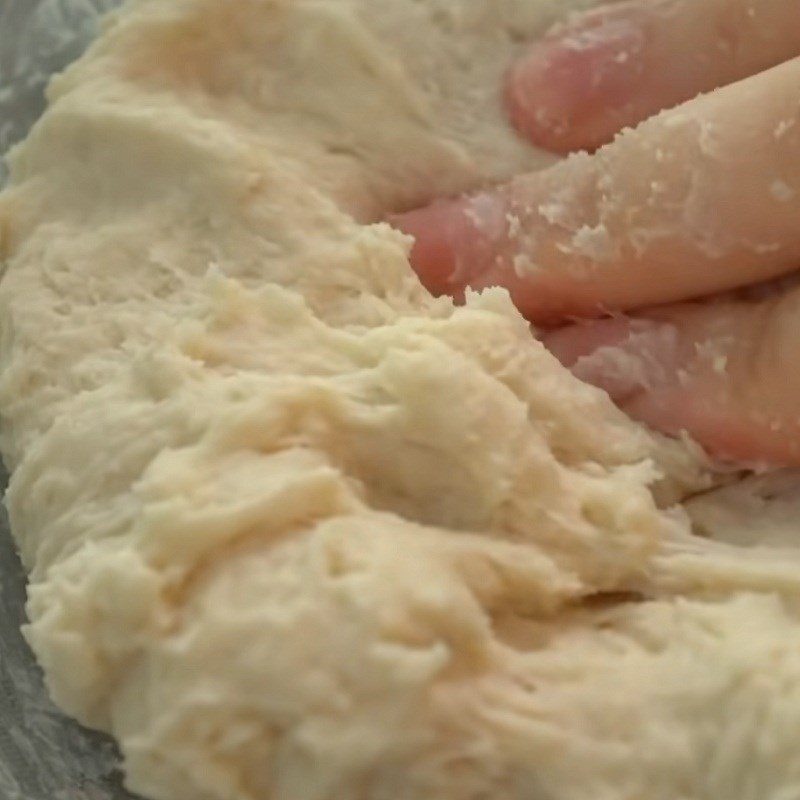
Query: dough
{"type": "Point", "coordinates": [296, 530]}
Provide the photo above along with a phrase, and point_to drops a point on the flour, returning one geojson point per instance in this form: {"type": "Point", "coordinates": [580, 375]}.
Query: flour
{"type": "Point", "coordinates": [298, 530]}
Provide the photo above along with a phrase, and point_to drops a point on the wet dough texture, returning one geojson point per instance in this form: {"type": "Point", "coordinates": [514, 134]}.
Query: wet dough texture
{"type": "Point", "coordinates": [298, 530]}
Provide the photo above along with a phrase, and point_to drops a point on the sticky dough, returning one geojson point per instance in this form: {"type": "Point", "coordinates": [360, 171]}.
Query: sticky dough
{"type": "Point", "coordinates": [296, 530]}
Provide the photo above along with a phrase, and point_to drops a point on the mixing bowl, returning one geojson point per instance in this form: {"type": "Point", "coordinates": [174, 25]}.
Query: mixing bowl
{"type": "Point", "coordinates": [43, 755]}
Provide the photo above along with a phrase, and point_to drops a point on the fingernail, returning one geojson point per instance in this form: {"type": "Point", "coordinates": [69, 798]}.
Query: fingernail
{"type": "Point", "coordinates": [574, 74]}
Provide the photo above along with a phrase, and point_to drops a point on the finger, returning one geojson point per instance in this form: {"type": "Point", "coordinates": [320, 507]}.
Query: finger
{"type": "Point", "coordinates": [700, 199]}
{"type": "Point", "coordinates": [619, 64]}
{"type": "Point", "coordinates": [726, 373]}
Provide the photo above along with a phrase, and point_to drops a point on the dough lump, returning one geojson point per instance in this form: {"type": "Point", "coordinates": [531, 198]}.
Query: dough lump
{"type": "Point", "coordinates": [297, 530]}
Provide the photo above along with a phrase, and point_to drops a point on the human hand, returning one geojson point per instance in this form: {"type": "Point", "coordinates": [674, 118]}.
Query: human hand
{"type": "Point", "coordinates": [697, 200]}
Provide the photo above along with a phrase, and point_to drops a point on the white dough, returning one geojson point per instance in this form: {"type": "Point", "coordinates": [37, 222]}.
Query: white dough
{"type": "Point", "coordinates": [296, 529]}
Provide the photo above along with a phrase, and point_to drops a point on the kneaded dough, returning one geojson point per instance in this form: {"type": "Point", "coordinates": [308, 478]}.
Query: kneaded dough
{"type": "Point", "coordinates": [297, 530]}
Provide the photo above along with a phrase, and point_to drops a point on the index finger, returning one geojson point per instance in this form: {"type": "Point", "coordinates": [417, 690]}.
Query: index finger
{"type": "Point", "coordinates": [700, 199]}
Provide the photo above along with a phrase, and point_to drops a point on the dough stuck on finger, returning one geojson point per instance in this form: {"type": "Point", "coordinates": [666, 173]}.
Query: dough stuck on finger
{"type": "Point", "coordinates": [295, 528]}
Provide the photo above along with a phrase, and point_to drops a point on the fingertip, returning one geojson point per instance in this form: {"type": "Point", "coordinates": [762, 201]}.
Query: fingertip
{"type": "Point", "coordinates": [454, 240]}
{"type": "Point", "coordinates": [566, 92]}
{"type": "Point", "coordinates": [530, 107]}
{"type": "Point", "coordinates": [432, 254]}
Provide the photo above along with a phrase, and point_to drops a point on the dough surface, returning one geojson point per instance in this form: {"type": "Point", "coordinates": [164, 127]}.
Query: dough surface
{"type": "Point", "coordinates": [296, 530]}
